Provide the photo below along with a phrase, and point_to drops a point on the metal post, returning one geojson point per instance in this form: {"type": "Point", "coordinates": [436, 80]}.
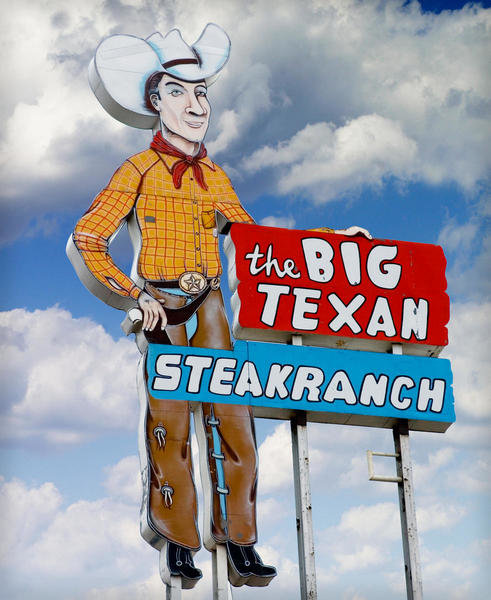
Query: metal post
{"type": "Point", "coordinates": [414, 582]}
{"type": "Point", "coordinates": [303, 502]}
{"type": "Point", "coordinates": [220, 572]}
{"type": "Point", "coordinates": [173, 591]}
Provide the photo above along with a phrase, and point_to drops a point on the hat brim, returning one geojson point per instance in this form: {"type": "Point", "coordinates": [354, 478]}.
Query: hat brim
{"type": "Point", "coordinates": [123, 63]}
{"type": "Point", "coordinates": [117, 76]}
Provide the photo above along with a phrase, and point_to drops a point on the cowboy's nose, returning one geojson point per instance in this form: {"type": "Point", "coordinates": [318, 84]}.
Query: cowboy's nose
{"type": "Point", "coordinates": [195, 107]}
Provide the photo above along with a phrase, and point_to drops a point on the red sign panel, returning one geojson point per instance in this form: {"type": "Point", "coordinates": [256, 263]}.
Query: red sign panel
{"type": "Point", "coordinates": [337, 290]}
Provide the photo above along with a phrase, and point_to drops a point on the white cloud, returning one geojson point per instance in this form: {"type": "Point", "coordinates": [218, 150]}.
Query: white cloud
{"type": "Point", "coordinates": [25, 513]}
{"type": "Point", "coordinates": [413, 71]}
{"type": "Point", "coordinates": [469, 434]}
{"type": "Point", "coordinates": [389, 91]}
{"type": "Point", "coordinates": [123, 479]}
{"type": "Point", "coordinates": [60, 386]}
{"type": "Point", "coordinates": [469, 353]}
{"type": "Point", "coordinates": [275, 461]}
{"type": "Point", "coordinates": [380, 521]}
{"type": "Point", "coordinates": [329, 161]}
{"type": "Point", "coordinates": [252, 95]}
{"type": "Point", "coordinates": [228, 125]}
{"type": "Point", "coordinates": [88, 535]}
{"type": "Point", "coordinates": [283, 222]}
{"type": "Point", "coordinates": [424, 474]}
{"type": "Point", "coordinates": [48, 98]}
{"type": "Point", "coordinates": [457, 236]}
{"type": "Point", "coordinates": [141, 590]}
{"type": "Point", "coordinates": [82, 544]}
{"type": "Point", "coordinates": [438, 516]}
{"type": "Point", "coordinates": [473, 476]}
{"type": "Point", "coordinates": [90, 550]}
{"type": "Point", "coordinates": [366, 556]}
{"type": "Point", "coordinates": [439, 573]}
{"type": "Point", "coordinates": [368, 535]}
{"type": "Point", "coordinates": [467, 246]}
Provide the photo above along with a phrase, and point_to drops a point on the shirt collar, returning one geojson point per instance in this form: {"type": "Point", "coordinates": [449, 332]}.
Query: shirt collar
{"type": "Point", "coordinates": [170, 161]}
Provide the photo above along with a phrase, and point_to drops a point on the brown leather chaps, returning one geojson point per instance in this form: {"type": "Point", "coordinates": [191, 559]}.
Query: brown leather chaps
{"type": "Point", "coordinates": [170, 492]}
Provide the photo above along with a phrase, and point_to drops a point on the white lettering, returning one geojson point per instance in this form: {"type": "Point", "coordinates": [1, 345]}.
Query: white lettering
{"type": "Point", "coordinates": [373, 390]}
{"type": "Point", "coordinates": [395, 399]}
{"type": "Point", "coordinates": [350, 254]}
{"type": "Point", "coordinates": [414, 318]}
{"type": "Point", "coordinates": [270, 264]}
{"type": "Point", "coordinates": [318, 256]}
{"type": "Point", "coordinates": [381, 319]}
{"type": "Point", "coordinates": [278, 374]}
{"type": "Point", "coordinates": [222, 373]}
{"type": "Point", "coordinates": [198, 364]}
{"type": "Point", "coordinates": [307, 378]}
{"type": "Point", "coordinates": [290, 268]}
{"type": "Point", "coordinates": [384, 276]}
{"type": "Point", "coordinates": [248, 381]}
{"type": "Point", "coordinates": [340, 388]}
{"type": "Point", "coordinates": [345, 312]}
{"type": "Point", "coordinates": [426, 393]}
{"type": "Point", "coordinates": [169, 376]}
{"type": "Point", "coordinates": [270, 308]}
{"type": "Point", "coordinates": [302, 307]}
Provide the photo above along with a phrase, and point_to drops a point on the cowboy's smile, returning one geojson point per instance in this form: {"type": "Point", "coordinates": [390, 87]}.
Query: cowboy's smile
{"type": "Point", "coordinates": [184, 107]}
{"type": "Point", "coordinates": [195, 124]}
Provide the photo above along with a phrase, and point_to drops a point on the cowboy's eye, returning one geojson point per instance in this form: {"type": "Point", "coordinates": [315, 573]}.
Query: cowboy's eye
{"type": "Point", "coordinates": [174, 89]}
{"type": "Point", "coordinates": [200, 92]}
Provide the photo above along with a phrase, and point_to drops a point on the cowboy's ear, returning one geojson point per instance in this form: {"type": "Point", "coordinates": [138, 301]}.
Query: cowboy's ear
{"type": "Point", "coordinates": [154, 99]}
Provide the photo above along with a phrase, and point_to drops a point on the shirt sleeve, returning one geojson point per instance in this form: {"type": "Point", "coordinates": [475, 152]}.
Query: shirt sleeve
{"type": "Point", "coordinates": [321, 229]}
{"type": "Point", "coordinates": [229, 205]}
{"type": "Point", "coordinates": [93, 232]}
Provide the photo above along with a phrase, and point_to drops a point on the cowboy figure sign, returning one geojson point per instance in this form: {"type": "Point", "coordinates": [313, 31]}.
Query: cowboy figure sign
{"type": "Point", "coordinates": [168, 196]}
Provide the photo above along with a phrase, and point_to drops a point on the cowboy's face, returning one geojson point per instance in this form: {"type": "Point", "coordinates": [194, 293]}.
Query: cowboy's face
{"type": "Point", "coordinates": [184, 107]}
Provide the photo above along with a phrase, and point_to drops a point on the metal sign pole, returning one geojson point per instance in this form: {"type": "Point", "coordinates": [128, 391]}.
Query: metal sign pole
{"type": "Point", "coordinates": [303, 502]}
{"type": "Point", "coordinates": [220, 570]}
{"type": "Point", "coordinates": [173, 591]}
{"type": "Point", "coordinates": [414, 581]}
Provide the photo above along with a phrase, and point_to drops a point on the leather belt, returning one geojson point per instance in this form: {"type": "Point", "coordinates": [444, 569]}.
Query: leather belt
{"type": "Point", "coordinates": [190, 282]}
{"type": "Point", "coordinates": [179, 316]}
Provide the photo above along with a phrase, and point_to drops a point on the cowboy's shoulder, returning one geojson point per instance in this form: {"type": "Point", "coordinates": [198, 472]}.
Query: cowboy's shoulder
{"type": "Point", "coordinates": [142, 161]}
{"type": "Point", "coordinates": [220, 173]}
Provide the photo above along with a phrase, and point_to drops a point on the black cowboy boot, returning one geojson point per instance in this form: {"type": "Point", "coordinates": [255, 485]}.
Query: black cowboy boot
{"type": "Point", "coordinates": [180, 564]}
{"type": "Point", "coordinates": [245, 567]}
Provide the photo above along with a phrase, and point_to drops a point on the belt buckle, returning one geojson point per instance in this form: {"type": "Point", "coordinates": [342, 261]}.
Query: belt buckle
{"type": "Point", "coordinates": [192, 282]}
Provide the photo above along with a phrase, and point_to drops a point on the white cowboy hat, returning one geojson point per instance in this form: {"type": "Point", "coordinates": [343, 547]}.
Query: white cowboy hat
{"type": "Point", "coordinates": [122, 64]}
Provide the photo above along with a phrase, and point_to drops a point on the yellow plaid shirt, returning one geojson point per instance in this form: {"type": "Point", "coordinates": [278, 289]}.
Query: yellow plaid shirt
{"type": "Point", "coordinates": [176, 225]}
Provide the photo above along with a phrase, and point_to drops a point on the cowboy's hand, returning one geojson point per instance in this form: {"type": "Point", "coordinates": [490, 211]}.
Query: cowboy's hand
{"type": "Point", "coordinates": [152, 310]}
{"type": "Point", "coordinates": [354, 230]}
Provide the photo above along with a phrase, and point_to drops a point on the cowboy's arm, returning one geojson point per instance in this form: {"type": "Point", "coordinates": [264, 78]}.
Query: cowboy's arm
{"type": "Point", "coordinates": [234, 212]}
{"type": "Point", "coordinates": [229, 205]}
{"type": "Point", "coordinates": [88, 247]}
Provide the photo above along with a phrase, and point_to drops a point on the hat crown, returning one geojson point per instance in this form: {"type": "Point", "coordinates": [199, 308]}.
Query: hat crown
{"type": "Point", "coordinates": [201, 60]}
{"type": "Point", "coordinates": [170, 47]}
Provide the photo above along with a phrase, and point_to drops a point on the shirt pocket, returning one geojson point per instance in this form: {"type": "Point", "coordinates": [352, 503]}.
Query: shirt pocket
{"type": "Point", "coordinates": [208, 218]}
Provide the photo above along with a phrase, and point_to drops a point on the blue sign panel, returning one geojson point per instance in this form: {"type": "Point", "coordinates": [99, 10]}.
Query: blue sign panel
{"type": "Point", "coordinates": [337, 386]}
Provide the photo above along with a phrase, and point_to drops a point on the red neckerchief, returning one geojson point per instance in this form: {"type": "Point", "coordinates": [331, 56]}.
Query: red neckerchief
{"type": "Point", "coordinates": [180, 166]}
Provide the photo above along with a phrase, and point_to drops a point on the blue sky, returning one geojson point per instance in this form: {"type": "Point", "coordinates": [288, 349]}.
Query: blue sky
{"type": "Point", "coordinates": [335, 112]}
